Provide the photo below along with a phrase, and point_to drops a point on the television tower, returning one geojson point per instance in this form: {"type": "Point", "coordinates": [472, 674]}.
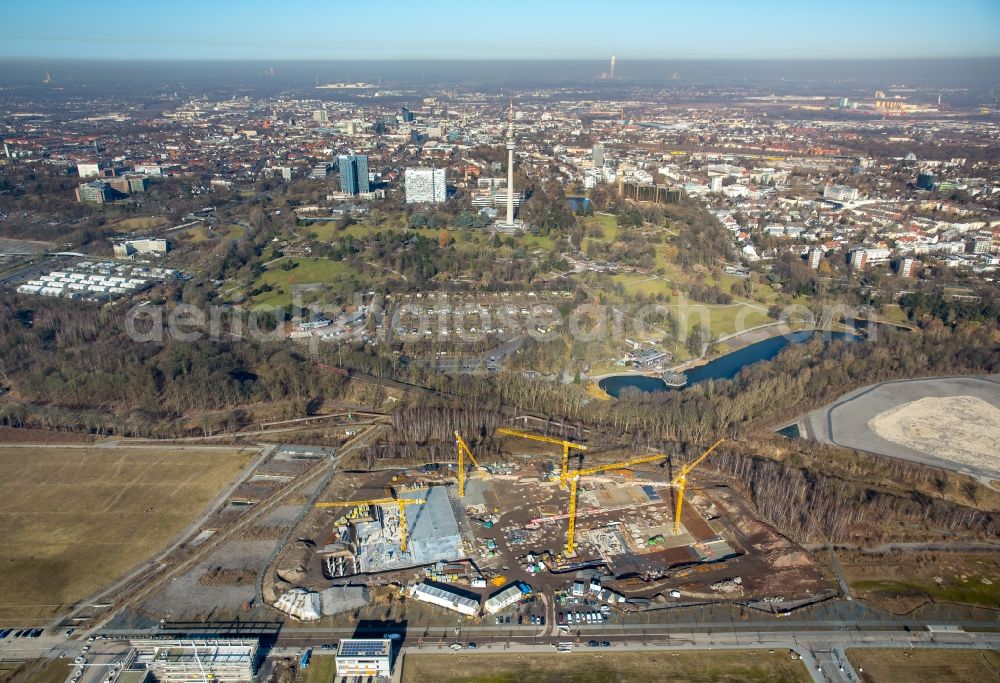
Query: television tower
{"type": "Point", "coordinates": [510, 164]}
{"type": "Point", "coordinates": [611, 74]}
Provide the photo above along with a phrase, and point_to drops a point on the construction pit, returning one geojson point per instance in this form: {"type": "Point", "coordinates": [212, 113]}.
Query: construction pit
{"type": "Point", "coordinates": [510, 528]}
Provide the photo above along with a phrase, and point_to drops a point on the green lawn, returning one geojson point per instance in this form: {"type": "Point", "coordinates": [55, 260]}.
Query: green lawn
{"type": "Point", "coordinates": [972, 592]}
{"type": "Point", "coordinates": [321, 669]}
{"type": "Point", "coordinates": [306, 271]}
{"type": "Point", "coordinates": [326, 232]}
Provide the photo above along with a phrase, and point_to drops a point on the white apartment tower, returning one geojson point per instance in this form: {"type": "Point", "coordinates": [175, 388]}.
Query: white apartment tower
{"type": "Point", "coordinates": [425, 186]}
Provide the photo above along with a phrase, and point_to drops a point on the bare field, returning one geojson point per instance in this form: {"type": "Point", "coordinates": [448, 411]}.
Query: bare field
{"type": "Point", "coordinates": [949, 422]}
{"type": "Point", "coordinates": [682, 667]}
{"type": "Point", "coordinates": [901, 582]}
{"type": "Point", "coordinates": [941, 666]}
{"type": "Point", "coordinates": [74, 519]}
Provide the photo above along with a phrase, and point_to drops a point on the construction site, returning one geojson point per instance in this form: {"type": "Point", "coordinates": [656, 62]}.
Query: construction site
{"type": "Point", "coordinates": [543, 522]}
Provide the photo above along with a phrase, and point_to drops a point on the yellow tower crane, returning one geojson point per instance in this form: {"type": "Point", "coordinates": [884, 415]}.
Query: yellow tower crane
{"type": "Point", "coordinates": [575, 477]}
{"type": "Point", "coordinates": [680, 481]}
{"type": "Point", "coordinates": [400, 502]}
{"type": "Point", "coordinates": [566, 445]}
{"type": "Point", "coordinates": [463, 451]}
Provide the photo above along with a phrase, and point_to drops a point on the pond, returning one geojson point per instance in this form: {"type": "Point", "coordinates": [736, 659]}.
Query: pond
{"type": "Point", "coordinates": [724, 367]}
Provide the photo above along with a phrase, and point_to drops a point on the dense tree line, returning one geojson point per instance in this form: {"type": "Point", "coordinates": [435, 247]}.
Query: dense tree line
{"type": "Point", "coordinates": [78, 360]}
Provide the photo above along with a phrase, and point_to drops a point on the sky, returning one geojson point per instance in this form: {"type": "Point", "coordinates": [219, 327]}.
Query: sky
{"type": "Point", "coordinates": [472, 29]}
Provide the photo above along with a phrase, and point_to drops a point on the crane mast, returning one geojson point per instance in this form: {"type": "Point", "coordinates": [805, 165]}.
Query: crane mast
{"type": "Point", "coordinates": [574, 479]}
{"type": "Point", "coordinates": [566, 446]}
{"type": "Point", "coordinates": [463, 451]}
{"type": "Point", "coordinates": [680, 481]}
{"type": "Point", "coordinates": [401, 503]}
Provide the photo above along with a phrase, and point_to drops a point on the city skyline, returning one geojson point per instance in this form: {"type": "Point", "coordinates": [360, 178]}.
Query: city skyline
{"type": "Point", "coordinates": [631, 30]}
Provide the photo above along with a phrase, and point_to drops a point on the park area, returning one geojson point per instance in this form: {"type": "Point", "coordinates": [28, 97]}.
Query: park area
{"type": "Point", "coordinates": [552, 667]}
{"type": "Point", "coordinates": [938, 665]}
{"type": "Point", "coordinates": [75, 519]}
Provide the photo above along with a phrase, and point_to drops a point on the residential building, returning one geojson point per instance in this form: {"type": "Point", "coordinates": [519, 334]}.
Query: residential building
{"type": "Point", "coordinates": [364, 658]}
{"type": "Point", "coordinates": [907, 267]}
{"type": "Point", "coordinates": [859, 259]}
{"type": "Point", "coordinates": [715, 184]}
{"type": "Point", "coordinates": [88, 169]}
{"type": "Point", "coordinates": [353, 173]}
{"type": "Point", "coordinates": [127, 184]}
{"type": "Point", "coordinates": [94, 192]}
{"type": "Point", "coordinates": [425, 186]}
{"type": "Point", "coordinates": [840, 193]}
{"type": "Point", "coordinates": [815, 256]}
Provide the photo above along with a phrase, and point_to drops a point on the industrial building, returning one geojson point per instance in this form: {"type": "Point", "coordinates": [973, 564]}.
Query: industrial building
{"type": "Point", "coordinates": [198, 660]}
{"type": "Point", "coordinates": [364, 658]}
{"type": "Point", "coordinates": [446, 597]}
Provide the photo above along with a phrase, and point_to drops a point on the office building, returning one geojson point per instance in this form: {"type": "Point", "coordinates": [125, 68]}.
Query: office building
{"type": "Point", "coordinates": [353, 173]}
{"type": "Point", "coordinates": [425, 186]}
{"type": "Point", "coordinates": [364, 658]}
{"type": "Point", "coordinates": [320, 171]}
{"type": "Point", "coordinates": [715, 184]}
{"type": "Point", "coordinates": [405, 115]}
{"type": "Point", "coordinates": [182, 660]}
{"type": "Point", "coordinates": [597, 154]}
{"type": "Point", "coordinates": [926, 181]}
{"type": "Point", "coordinates": [320, 116]}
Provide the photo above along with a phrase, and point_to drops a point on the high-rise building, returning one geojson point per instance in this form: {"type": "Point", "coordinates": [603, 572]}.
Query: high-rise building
{"type": "Point", "coordinates": [353, 173]}
{"type": "Point", "coordinates": [405, 115]}
{"type": "Point", "coordinates": [715, 184]}
{"type": "Point", "coordinates": [425, 186]}
{"type": "Point", "coordinates": [907, 267]}
{"type": "Point", "coordinates": [320, 116]}
{"type": "Point", "coordinates": [925, 181]}
{"type": "Point", "coordinates": [597, 154]}
{"type": "Point", "coordinates": [815, 256]}
{"type": "Point", "coordinates": [859, 259]}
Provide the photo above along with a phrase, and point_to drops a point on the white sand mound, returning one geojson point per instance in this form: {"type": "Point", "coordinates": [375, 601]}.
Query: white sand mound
{"type": "Point", "coordinates": [964, 429]}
